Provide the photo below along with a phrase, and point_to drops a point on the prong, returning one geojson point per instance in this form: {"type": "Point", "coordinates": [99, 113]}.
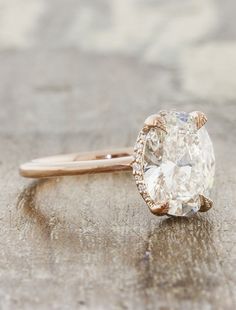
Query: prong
{"type": "Point", "coordinates": [206, 203]}
{"type": "Point", "coordinates": [157, 121]}
{"type": "Point", "coordinates": [200, 118]}
{"type": "Point", "coordinates": [160, 210]}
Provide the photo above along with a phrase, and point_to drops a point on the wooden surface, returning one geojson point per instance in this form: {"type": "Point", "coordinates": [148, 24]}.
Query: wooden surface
{"type": "Point", "coordinates": [83, 75]}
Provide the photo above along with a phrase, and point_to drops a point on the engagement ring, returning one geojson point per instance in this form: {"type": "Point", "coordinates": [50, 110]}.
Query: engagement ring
{"type": "Point", "coordinates": [173, 163]}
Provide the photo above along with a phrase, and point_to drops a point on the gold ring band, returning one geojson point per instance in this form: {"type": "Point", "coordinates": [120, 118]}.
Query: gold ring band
{"type": "Point", "coordinates": [79, 163]}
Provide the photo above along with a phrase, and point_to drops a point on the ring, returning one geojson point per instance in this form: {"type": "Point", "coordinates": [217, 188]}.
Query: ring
{"type": "Point", "coordinates": [173, 163]}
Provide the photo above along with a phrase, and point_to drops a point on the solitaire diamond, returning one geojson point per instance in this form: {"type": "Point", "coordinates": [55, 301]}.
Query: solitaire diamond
{"type": "Point", "coordinates": [178, 165]}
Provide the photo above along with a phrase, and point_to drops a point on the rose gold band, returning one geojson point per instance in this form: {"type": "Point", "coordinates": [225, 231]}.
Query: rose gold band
{"type": "Point", "coordinates": [79, 163]}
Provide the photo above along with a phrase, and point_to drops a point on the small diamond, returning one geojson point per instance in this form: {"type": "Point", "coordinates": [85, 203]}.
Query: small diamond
{"type": "Point", "coordinates": [138, 157]}
{"type": "Point", "coordinates": [141, 187]}
{"type": "Point", "coordinates": [142, 136]}
{"type": "Point", "coordinates": [138, 178]}
{"type": "Point", "coordinates": [137, 168]}
{"type": "Point", "coordinates": [138, 146]}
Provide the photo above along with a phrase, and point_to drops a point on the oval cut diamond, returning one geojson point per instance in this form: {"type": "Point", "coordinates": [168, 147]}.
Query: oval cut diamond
{"type": "Point", "coordinates": [178, 164]}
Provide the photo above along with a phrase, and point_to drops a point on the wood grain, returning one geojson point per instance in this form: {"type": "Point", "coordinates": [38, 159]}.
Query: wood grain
{"type": "Point", "coordinates": [89, 242]}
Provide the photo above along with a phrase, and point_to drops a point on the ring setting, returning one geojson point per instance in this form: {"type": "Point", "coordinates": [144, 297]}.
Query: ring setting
{"type": "Point", "coordinates": [173, 163]}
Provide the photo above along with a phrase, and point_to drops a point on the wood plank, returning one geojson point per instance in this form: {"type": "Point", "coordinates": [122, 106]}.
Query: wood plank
{"type": "Point", "coordinates": [89, 242]}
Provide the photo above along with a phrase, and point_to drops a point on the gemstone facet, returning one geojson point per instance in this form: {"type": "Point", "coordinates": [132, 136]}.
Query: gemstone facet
{"type": "Point", "coordinates": [178, 165]}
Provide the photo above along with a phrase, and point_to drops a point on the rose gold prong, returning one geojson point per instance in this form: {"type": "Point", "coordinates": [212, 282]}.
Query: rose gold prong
{"type": "Point", "coordinates": [206, 203]}
{"type": "Point", "coordinates": [160, 210]}
{"type": "Point", "coordinates": [200, 118]}
{"type": "Point", "coordinates": [155, 120]}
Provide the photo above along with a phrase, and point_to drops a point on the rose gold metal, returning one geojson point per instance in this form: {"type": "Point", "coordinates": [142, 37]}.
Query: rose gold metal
{"type": "Point", "coordinates": [160, 210]}
{"type": "Point", "coordinates": [155, 120]}
{"type": "Point", "coordinates": [206, 203]}
{"type": "Point", "coordinates": [79, 163]}
{"type": "Point", "coordinates": [200, 118]}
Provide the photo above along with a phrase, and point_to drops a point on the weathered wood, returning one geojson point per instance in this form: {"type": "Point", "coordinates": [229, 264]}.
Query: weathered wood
{"type": "Point", "coordinates": [89, 242]}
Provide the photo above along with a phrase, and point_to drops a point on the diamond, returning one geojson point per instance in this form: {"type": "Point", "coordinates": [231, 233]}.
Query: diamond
{"type": "Point", "coordinates": [178, 165]}
{"type": "Point", "coordinates": [137, 168]}
{"type": "Point", "coordinates": [138, 147]}
{"type": "Point", "coordinates": [141, 137]}
{"type": "Point", "coordinates": [138, 157]}
{"type": "Point", "coordinates": [141, 187]}
{"type": "Point", "coordinates": [138, 177]}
